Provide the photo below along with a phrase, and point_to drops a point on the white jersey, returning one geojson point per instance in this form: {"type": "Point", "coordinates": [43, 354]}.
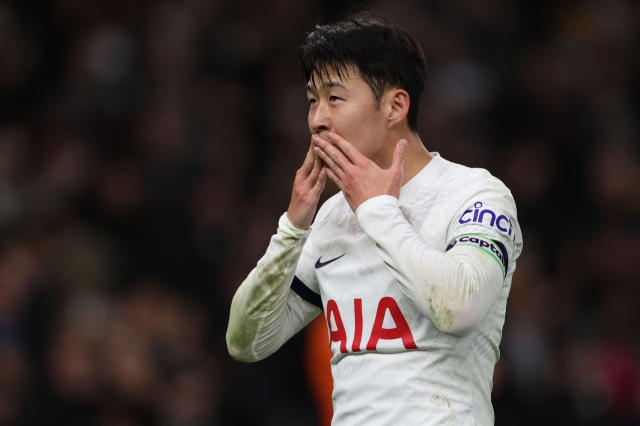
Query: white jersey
{"type": "Point", "coordinates": [414, 291]}
{"type": "Point", "coordinates": [393, 365]}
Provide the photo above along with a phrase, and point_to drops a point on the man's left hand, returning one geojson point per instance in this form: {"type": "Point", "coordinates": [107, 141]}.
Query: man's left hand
{"type": "Point", "coordinates": [358, 177]}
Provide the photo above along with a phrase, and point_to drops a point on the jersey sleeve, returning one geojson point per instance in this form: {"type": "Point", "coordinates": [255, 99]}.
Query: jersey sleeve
{"type": "Point", "coordinates": [485, 218]}
{"type": "Point", "coordinates": [264, 312]}
{"type": "Point", "coordinates": [305, 281]}
{"type": "Point", "coordinates": [454, 285]}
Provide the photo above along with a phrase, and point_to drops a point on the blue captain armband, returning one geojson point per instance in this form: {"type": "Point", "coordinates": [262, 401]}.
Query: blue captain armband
{"type": "Point", "coordinates": [494, 248]}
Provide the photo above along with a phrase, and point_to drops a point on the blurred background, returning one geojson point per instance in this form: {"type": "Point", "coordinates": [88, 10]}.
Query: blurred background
{"type": "Point", "coordinates": [147, 149]}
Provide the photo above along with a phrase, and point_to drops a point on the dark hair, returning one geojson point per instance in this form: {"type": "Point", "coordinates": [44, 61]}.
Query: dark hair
{"type": "Point", "coordinates": [385, 55]}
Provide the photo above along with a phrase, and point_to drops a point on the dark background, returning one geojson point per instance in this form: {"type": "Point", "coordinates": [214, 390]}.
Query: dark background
{"type": "Point", "coordinates": [147, 149]}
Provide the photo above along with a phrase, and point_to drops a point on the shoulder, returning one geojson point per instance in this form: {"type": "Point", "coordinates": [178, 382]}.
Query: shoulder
{"type": "Point", "coordinates": [461, 185]}
{"type": "Point", "coordinates": [475, 201]}
{"type": "Point", "coordinates": [463, 177]}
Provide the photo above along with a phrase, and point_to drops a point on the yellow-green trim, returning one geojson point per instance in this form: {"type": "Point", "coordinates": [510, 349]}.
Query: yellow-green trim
{"type": "Point", "coordinates": [486, 251]}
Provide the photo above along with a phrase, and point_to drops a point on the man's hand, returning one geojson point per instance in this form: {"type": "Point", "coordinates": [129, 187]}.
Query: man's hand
{"type": "Point", "coordinates": [307, 187]}
{"type": "Point", "coordinates": [358, 177]}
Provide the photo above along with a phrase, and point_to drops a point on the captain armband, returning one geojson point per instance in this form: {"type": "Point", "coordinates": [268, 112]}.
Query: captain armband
{"type": "Point", "coordinates": [494, 248]}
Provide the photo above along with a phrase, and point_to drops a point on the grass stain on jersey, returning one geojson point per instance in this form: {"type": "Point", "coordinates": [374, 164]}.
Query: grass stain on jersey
{"type": "Point", "coordinates": [440, 400]}
{"type": "Point", "coordinates": [272, 275]}
{"type": "Point", "coordinates": [442, 313]}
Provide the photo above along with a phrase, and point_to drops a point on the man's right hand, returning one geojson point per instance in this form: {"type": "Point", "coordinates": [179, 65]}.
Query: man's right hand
{"type": "Point", "coordinates": [307, 187]}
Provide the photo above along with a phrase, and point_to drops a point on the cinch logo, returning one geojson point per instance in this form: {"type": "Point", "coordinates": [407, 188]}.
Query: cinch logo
{"type": "Point", "coordinates": [501, 222]}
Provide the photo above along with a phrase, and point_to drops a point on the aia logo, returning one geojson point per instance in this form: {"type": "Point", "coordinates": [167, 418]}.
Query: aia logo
{"type": "Point", "coordinates": [378, 332]}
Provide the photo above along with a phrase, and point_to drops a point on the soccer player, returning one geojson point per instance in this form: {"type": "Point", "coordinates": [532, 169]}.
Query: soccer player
{"type": "Point", "coordinates": [411, 262]}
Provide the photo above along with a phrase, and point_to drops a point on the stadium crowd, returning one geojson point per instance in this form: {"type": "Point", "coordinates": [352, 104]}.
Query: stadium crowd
{"type": "Point", "coordinates": [147, 149]}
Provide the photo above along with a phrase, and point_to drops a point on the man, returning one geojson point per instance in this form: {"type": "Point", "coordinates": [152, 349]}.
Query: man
{"type": "Point", "coordinates": [411, 262]}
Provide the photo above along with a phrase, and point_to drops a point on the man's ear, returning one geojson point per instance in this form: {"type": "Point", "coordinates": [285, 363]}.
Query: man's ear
{"type": "Point", "coordinates": [399, 103]}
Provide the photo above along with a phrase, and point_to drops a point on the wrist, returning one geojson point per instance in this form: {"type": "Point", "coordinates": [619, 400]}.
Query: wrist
{"type": "Point", "coordinates": [356, 203]}
{"type": "Point", "coordinates": [292, 228]}
{"type": "Point", "coordinates": [296, 224]}
{"type": "Point", "coordinates": [374, 203]}
{"type": "Point", "coordinates": [296, 218]}
{"type": "Point", "coordinates": [373, 214]}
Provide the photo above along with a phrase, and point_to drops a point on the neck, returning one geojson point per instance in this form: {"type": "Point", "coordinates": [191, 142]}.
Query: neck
{"type": "Point", "coordinates": [417, 155]}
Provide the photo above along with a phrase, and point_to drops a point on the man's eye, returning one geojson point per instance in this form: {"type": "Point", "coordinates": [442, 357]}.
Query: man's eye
{"type": "Point", "coordinates": [333, 98]}
{"type": "Point", "coordinates": [312, 101]}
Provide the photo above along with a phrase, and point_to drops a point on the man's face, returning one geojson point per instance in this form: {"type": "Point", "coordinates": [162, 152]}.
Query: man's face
{"type": "Point", "coordinates": [346, 106]}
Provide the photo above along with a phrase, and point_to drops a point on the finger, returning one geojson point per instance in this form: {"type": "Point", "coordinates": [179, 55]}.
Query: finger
{"type": "Point", "coordinates": [331, 165]}
{"type": "Point", "coordinates": [334, 153]}
{"type": "Point", "coordinates": [317, 167]}
{"type": "Point", "coordinates": [335, 179]}
{"type": "Point", "coordinates": [351, 152]}
{"type": "Point", "coordinates": [399, 155]}
{"type": "Point", "coordinates": [307, 166]}
{"type": "Point", "coordinates": [320, 182]}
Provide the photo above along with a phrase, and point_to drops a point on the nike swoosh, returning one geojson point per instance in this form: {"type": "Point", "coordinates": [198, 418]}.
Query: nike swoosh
{"type": "Point", "coordinates": [320, 264]}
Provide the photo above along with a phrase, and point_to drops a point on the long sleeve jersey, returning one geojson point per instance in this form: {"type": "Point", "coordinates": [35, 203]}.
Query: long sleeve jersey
{"type": "Point", "coordinates": [413, 290]}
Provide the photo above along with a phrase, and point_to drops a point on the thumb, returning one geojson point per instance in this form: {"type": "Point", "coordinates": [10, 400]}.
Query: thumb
{"type": "Point", "coordinates": [399, 155]}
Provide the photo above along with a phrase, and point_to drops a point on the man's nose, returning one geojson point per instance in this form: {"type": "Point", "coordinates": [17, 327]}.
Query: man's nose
{"type": "Point", "coordinates": [319, 119]}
